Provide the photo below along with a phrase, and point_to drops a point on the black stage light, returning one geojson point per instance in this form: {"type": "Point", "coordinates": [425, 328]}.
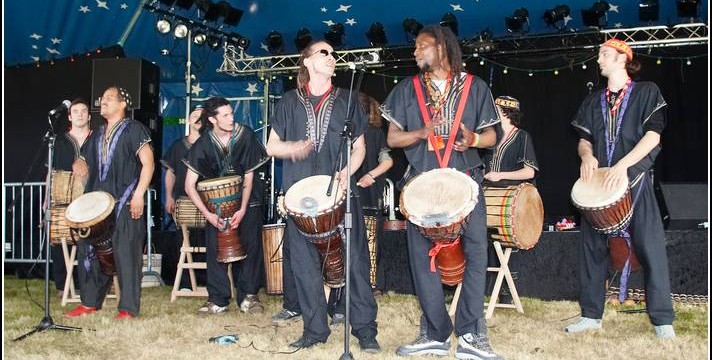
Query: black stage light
{"type": "Point", "coordinates": [449, 20]}
{"type": "Point", "coordinates": [688, 8]}
{"type": "Point", "coordinates": [275, 43]}
{"type": "Point", "coordinates": [515, 23]}
{"type": "Point", "coordinates": [303, 38]}
{"type": "Point", "coordinates": [335, 36]}
{"type": "Point", "coordinates": [649, 10]}
{"type": "Point", "coordinates": [595, 16]}
{"type": "Point", "coordinates": [556, 15]}
{"type": "Point", "coordinates": [411, 27]}
{"type": "Point", "coordinates": [377, 35]}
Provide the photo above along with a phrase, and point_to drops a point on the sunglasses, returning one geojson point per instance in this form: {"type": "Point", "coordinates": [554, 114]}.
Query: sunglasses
{"type": "Point", "coordinates": [325, 53]}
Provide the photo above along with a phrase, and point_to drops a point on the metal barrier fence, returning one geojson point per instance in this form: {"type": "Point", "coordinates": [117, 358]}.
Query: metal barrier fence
{"type": "Point", "coordinates": [22, 216]}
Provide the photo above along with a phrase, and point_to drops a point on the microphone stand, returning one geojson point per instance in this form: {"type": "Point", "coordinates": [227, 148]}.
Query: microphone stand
{"type": "Point", "coordinates": [47, 323]}
{"type": "Point", "coordinates": [346, 143]}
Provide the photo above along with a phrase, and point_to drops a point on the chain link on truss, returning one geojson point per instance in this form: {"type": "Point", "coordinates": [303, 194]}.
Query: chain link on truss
{"type": "Point", "coordinates": [237, 63]}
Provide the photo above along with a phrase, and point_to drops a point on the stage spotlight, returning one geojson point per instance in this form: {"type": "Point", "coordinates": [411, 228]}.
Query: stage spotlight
{"type": "Point", "coordinates": [449, 20]}
{"type": "Point", "coordinates": [275, 43]}
{"type": "Point", "coordinates": [163, 26]}
{"type": "Point", "coordinates": [211, 12]}
{"type": "Point", "coordinates": [515, 23]}
{"type": "Point", "coordinates": [557, 14]}
{"type": "Point", "coordinates": [411, 27]}
{"type": "Point", "coordinates": [376, 35]}
{"type": "Point", "coordinates": [303, 38]}
{"type": "Point", "coordinates": [181, 30]}
{"type": "Point", "coordinates": [649, 10]}
{"type": "Point", "coordinates": [214, 41]}
{"type": "Point", "coordinates": [231, 16]}
{"type": "Point", "coordinates": [335, 36]}
{"type": "Point", "coordinates": [199, 38]}
{"type": "Point", "coordinates": [688, 8]}
{"type": "Point", "coordinates": [596, 16]}
{"type": "Point", "coordinates": [239, 41]}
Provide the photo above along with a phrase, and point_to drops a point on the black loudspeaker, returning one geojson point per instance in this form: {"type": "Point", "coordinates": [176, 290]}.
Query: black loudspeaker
{"type": "Point", "coordinates": [139, 77]}
{"type": "Point", "coordinates": [686, 205]}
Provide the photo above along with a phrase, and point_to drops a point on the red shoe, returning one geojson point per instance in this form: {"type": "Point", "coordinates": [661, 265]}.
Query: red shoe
{"type": "Point", "coordinates": [80, 310]}
{"type": "Point", "coordinates": [123, 315]}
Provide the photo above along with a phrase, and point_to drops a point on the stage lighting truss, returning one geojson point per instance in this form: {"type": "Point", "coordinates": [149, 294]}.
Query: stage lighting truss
{"type": "Point", "coordinates": [237, 63]}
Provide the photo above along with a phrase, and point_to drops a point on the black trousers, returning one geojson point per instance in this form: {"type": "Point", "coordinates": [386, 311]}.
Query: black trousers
{"type": "Point", "coordinates": [289, 285]}
{"type": "Point", "coordinates": [248, 274]}
{"type": "Point", "coordinates": [310, 285]}
{"type": "Point", "coordinates": [127, 242]}
{"type": "Point", "coordinates": [469, 317]}
{"type": "Point", "coordinates": [648, 240]}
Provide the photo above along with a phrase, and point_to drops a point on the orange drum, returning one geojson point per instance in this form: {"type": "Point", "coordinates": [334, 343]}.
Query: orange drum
{"type": "Point", "coordinates": [223, 196]}
{"type": "Point", "coordinates": [515, 215]}
{"type": "Point", "coordinates": [187, 214]}
{"type": "Point", "coordinates": [272, 238]}
{"type": "Point", "coordinates": [91, 217]}
{"type": "Point", "coordinates": [608, 211]}
{"type": "Point", "coordinates": [65, 187]}
{"type": "Point", "coordinates": [438, 202]}
{"type": "Point", "coordinates": [319, 218]}
{"type": "Point", "coordinates": [58, 228]}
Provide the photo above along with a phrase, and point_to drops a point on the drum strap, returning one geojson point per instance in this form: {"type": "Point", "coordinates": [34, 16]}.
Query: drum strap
{"type": "Point", "coordinates": [104, 168]}
{"type": "Point", "coordinates": [625, 274]}
{"type": "Point", "coordinates": [443, 160]}
{"type": "Point", "coordinates": [219, 200]}
{"type": "Point", "coordinates": [436, 249]}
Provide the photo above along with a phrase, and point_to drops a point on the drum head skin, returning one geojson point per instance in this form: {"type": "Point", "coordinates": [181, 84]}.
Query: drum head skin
{"type": "Point", "coordinates": [592, 194]}
{"type": "Point", "coordinates": [308, 196]}
{"type": "Point", "coordinates": [218, 182]}
{"type": "Point", "coordinates": [528, 216]}
{"type": "Point", "coordinates": [89, 209]}
{"type": "Point", "coordinates": [439, 197]}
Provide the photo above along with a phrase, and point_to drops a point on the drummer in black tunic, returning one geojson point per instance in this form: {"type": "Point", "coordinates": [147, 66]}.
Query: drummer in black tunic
{"type": "Point", "coordinates": [306, 132]}
{"type": "Point", "coordinates": [67, 149]}
{"type": "Point", "coordinates": [120, 162]}
{"type": "Point", "coordinates": [619, 127]}
{"type": "Point", "coordinates": [227, 148]}
{"type": "Point", "coordinates": [435, 93]}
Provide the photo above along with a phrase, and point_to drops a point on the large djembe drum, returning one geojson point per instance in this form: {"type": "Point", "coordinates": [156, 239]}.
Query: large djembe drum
{"type": "Point", "coordinates": [91, 217]}
{"type": "Point", "coordinates": [223, 196]}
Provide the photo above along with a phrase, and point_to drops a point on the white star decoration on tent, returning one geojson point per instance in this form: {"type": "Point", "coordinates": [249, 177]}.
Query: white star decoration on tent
{"type": "Point", "coordinates": [251, 88]}
{"type": "Point", "coordinates": [84, 9]}
{"type": "Point", "coordinates": [53, 51]}
{"type": "Point", "coordinates": [36, 36]}
{"type": "Point", "coordinates": [329, 22]}
{"type": "Point", "coordinates": [264, 47]}
{"type": "Point", "coordinates": [102, 4]}
{"type": "Point", "coordinates": [613, 8]}
{"type": "Point", "coordinates": [124, 6]}
{"type": "Point", "coordinates": [35, 47]}
{"type": "Point", "coordinates": [618, 25]}
{"type": "Point", "coordinates": [196, 89]}
{"type": "Point", "coordinates": [323, 9]}
{"type": "Point", "coordinates": [344, 8]}
{"type": "Point", "coordinates": [567, 18]}
{"type": "Point", "coordinates": [35, 58]}
{"type": "Point", "coordinates": [456, 7]}
{"type": "Point", "coordinates": [351, 22]}
{"type": "Point", "coordinates": [56, 41]}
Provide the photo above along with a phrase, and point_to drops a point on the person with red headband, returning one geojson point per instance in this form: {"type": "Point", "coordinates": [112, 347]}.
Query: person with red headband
{"type": "Point", "coordinates": [619, 127]}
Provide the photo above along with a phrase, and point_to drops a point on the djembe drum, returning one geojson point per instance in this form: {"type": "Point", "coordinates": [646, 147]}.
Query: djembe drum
{"type": "Point", "coordinates": [438, 203]}
{"type": "Point", "coordinates": [607, 211]}
{"type": "Point", "coordinates": [223, 196]}
{"type": "Point", "coordinates": [319, 218]}
{"type": "Point", "coordinates": [515, 215]}
{"type": "Point", "coordinates": [91, 217]}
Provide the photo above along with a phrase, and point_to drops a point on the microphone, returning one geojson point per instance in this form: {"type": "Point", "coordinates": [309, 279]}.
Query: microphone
{"type": "Point", "coordinates": [63, 106]}
{"type": "Point", "coordinates": [363, 60]}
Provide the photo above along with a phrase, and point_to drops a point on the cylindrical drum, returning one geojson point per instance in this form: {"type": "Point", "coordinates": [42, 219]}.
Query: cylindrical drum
{"type": "Point", "coordinates": [515, 215]}
{"type": "Point", "coordinates": [272, 239]}
{"type": "Point", "coordinates": [223, 196]}
{"type": "Point", "coordinates": [607, 210]}
{"type": "Point", "coordinates": [91, 217]}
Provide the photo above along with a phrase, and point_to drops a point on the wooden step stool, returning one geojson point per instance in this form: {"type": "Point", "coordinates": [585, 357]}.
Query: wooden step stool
{"type": "Point", "coordinates": [185, 262]}
{"type": "Point", "coordinates": [70, 294]}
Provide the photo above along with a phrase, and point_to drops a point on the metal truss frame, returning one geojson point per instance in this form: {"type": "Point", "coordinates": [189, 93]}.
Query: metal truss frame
{"type": "Point", "coordinates": [237, 63]}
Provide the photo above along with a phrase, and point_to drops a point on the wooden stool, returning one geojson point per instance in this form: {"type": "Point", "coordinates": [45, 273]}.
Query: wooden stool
{"type": "Point", "coordinates": [70, 294]}
{"type": "Point", "coordinates": [185, 262]}
{"type": "Point", "coordinates": [502, 273]}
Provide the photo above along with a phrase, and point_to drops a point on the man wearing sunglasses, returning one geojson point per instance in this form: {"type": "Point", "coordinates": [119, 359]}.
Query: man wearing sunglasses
{"type": "Point", "coordinates": [306, 133]}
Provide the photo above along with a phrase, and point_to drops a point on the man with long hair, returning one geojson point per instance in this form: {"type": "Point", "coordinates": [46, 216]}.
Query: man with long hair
{"type": "Point", "coordinates": [424, 112]}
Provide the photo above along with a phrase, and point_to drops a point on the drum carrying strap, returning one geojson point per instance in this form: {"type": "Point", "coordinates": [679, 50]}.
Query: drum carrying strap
{"type": "Point", "coordinates": [625, 274]}
{"type": "Point", "coordinates": [443, 160]}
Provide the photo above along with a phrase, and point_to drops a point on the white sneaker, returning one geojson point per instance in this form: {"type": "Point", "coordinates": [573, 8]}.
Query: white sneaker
{"type": "Point", "coordinates": [475, 346]}
{"type": "Point", "coordinates": [584, 324]}
{"type": "Point", "coordinates": [210, 309]}
{"type": "Point", "coordinates": [664, 332]}
{"type": "Point", "coordinates": [425, 346]}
